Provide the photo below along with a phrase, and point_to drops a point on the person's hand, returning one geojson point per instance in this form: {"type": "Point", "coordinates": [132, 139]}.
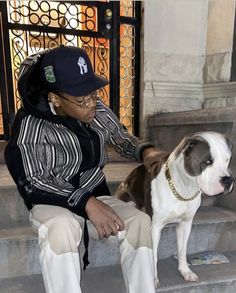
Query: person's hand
{"type": "Point", "coordinates": [152, 155]}
{"type": "Point", "coordinates": [104, 218]}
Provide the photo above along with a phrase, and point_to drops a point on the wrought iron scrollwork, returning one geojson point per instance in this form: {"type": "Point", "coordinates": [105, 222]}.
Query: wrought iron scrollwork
{"type": "Point", "coordinates": [36, 25]}
{"type": "Point", "coordinates": [40, 26]}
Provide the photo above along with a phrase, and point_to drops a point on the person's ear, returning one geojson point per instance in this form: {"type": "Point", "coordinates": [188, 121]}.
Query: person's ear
{"type": "Point", "coordinates": [54, 99]}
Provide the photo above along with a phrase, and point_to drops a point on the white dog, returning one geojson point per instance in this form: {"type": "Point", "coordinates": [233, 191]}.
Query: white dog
{"type": "Point", "coordinates": [171, 191]}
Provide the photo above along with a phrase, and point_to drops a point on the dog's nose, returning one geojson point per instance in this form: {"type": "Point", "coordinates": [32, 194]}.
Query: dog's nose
{"type": "Point", "coordinates": [227, 181]}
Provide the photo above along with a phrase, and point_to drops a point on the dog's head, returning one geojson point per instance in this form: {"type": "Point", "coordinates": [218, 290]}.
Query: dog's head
{"type": "Point", "coordinates": [206, 156]}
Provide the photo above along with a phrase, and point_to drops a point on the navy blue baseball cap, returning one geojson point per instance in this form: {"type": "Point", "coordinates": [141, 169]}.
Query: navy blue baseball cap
{"type": "Point", "coordinates": [68, 69]}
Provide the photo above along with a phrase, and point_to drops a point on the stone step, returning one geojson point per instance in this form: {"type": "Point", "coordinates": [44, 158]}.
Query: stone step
{"type": "Point", "coordinates": [214, 228]}
{"type": "Point", "coordinates": [99, 280]}
{"type": "Point", "coordinates": [22, 241]}
{"type": "Point", "coordinates": [215, 278]}
{"type": "Point", "coordinates": [12, 207]}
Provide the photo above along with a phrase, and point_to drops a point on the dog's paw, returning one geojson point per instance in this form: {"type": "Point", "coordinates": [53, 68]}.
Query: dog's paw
{"type": "Point", "coordinates": [157, 283]}
{"type": "Point", "coordinates": [190, 276]}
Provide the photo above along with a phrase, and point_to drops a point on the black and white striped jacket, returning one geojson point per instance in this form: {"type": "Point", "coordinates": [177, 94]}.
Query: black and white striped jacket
{"type": "Point", "coordinates": [59, 161]}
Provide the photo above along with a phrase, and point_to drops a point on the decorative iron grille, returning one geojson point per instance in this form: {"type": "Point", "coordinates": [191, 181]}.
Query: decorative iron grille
{"type": "Point", "coordinates": [55, 15]}
{"type": "Point", "coordinates": [100, 27]}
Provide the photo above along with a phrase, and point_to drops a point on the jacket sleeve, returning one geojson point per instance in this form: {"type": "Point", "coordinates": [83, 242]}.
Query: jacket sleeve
{"type": "Point", "coordinates": [122, 141]}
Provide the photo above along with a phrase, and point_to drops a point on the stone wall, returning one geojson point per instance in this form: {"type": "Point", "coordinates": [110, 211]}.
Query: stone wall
{"type": "Point", "coordinates": [187, 56]}
{"type": "Point", "coordinates": [221, 94]}
{"type": "Point", "coordinates": [220, 29]}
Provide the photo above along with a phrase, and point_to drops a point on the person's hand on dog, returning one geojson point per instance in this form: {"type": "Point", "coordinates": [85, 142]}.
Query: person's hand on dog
{"type": "Point", "coordinates": [104, 218]}
{"type": "Point", "coordinates": [152, 155]}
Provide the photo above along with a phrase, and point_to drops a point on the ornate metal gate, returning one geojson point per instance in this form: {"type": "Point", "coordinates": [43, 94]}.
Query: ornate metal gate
{"type": "Point", "coordinates": [108, 30]}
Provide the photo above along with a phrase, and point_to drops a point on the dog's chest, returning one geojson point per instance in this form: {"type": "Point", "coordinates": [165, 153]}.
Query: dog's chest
{"type": "Point", "coordinates": [166, 207]}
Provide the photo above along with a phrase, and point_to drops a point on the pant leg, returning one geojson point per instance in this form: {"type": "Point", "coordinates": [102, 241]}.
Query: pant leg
{"type": "Point", "coordinates": [135, 246]}
{"type": "Point", "coordinates": [59, 235]}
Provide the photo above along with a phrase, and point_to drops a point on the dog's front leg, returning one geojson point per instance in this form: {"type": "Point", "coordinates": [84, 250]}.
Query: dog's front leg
{"type": "Point", "coordinates": [183, 231]}
{"type": "Point", "coordinates": [156, 234]}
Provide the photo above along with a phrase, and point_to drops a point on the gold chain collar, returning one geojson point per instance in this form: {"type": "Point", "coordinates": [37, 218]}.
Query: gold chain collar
{"type": "Point", "coordinates": [173, 189]}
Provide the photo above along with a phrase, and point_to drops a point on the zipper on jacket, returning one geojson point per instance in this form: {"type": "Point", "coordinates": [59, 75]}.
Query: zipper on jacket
{"type": "Point", "coordinates": [91, 143]}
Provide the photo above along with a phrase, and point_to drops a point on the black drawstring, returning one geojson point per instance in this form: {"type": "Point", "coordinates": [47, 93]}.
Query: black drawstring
{"type": "Point", "coordinates": [86, 243]}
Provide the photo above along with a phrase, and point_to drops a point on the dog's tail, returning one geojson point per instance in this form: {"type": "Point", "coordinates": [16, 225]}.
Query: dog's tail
{"type": "Point", "coordinates": [132, 188]}
{"type": "Point", "coordinates": [157, 165]}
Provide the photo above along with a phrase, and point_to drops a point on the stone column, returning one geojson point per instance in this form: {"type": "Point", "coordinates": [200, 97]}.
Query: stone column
{"type": "Point", "coordinates": [187, 47]}
{"type": "Point", "coordinates": [218, 91]}
{"type": "Point", "coordinates": [174, 54]}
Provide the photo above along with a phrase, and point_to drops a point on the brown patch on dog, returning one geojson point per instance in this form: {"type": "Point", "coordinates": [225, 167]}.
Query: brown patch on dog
{"type": "Point", "coordinates": [156, 167]}
{"type": "Point", "coordinates": [137, 185]}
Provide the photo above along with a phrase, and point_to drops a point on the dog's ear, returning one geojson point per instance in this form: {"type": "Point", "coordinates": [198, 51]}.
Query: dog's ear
{"type": "Point", "coordinates": [186, 143]}
{"type": "Point", "coordinates": [190, 145]}
{"type": "Point", "coordinates": [197, 156]}
{"type": "Point", "coordinates": [196, 153]}
{"type": "Point", "coordinates": [229, 143]}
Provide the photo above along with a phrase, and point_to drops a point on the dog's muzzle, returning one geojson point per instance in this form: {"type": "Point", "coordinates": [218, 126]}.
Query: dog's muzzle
{"type": "Point", "coordinates": [228, 183]}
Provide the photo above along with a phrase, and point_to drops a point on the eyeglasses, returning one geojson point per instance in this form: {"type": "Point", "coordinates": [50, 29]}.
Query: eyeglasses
{"type": "Point", "coordinates": [93, 97]}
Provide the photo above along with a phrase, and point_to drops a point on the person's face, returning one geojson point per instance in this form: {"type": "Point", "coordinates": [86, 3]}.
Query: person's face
{"type": "Point", "coordinates": [82, 108]}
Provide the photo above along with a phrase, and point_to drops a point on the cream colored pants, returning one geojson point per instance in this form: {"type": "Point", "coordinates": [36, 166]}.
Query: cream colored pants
{"type": "Point", "coordinates": [60, 233]}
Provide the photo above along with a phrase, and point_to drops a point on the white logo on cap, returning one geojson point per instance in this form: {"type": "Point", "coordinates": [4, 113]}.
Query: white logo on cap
{"type": "Point", "coordinates": [82, 65]}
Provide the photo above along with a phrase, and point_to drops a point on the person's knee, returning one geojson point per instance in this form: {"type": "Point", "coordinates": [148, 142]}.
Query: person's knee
{"type": "Point", "coordinates": [139, 231]}
{"type": "Point", "coordinates": [63, 234]}
{"type": "Point", "coordinates": [144, 222]}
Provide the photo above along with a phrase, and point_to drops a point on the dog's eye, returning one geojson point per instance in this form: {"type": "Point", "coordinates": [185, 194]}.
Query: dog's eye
{"type": "Point", "coordinates": [209, 162]}
{"type": "Point", "coordinates": [206, 164]}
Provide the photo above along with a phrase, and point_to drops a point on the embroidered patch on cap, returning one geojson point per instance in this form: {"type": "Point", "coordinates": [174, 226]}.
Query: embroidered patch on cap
{"type": "Point", "coordinates": [49, 74]}
{"type": "Point", "coordinates": [82, 65]}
